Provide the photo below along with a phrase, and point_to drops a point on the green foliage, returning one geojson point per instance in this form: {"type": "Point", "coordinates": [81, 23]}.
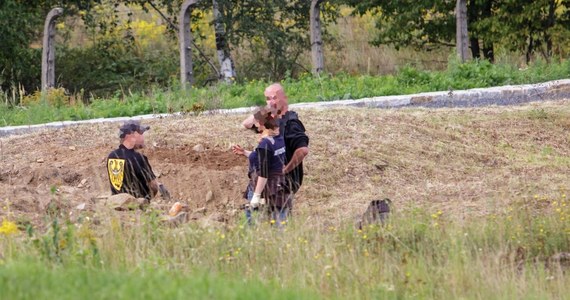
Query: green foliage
{"type": "Point", "coordinates": [271, 37]}
{"type": "Point", "coordinates": [532, 26]}
{"type": "Point", "coordinates": [522, 26]}
{"type": "Point", "coordinates": [19, 25]}
{"type": "Point", "coordinates": [106, 68]}
{"type": "Point", "coordinates": [53, 97]}
{"type": "Point", "coordinates": [410, 76]}
{"type": "Point", "coordinates": [420, 24]}
{"type": "Point", "coordinates": [275, 32]}
{"type": "Point", "coordinates": [480, 73]}
{"type": "Point", "coordinates": [79, 282]}
{"type": "Point", "coordinates": [473, 74]}
{"type": "Point", "coordinates": [113, 58]}
{"type": "Point", "coordinates": [411, 257]}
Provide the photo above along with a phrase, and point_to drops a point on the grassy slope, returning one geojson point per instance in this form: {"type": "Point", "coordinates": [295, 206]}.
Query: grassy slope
{"type": "Point", "coordinates": [77, 282]}
{"type": "Point", "coordinates": [480, 208]}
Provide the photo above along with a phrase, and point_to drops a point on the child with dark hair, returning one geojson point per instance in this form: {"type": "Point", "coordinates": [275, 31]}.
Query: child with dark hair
{"type": "Point", "coordinates": [268, 159]}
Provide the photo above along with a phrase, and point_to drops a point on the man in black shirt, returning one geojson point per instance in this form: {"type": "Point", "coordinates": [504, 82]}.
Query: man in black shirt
{"type": "Point", "coordinates": [129, 171]}
{"type": "Point", "coordinates": [293, 131]}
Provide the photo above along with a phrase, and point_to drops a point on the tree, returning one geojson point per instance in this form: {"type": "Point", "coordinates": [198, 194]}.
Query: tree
{"type": "Point", "coordinates": [529, 25]}
{"type": "Point", "coordinates": [316, 37]}
{"type": "Point", "coordinates": [222, 48]}
{"type": "Point", "coordinates": [20, 24]}
{"type": "Point", "coordinates": [273, 33]}
{"type": "Point", "coordinates": [423, 25]}
{"type": "Point", "coordinates": [461, 20]}
{"type": "Point", "coordinates": [276, 32]}
{"type": "Point", "coordinates": [482, 29]}
{"type": "Point", "coordinates": [519, 25]}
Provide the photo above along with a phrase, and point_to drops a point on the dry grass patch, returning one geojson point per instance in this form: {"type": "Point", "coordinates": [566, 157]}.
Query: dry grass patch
{"type": "Point", "coordinates": [463, 161]}
{"type": "Point", "coordinates": [474, 217]}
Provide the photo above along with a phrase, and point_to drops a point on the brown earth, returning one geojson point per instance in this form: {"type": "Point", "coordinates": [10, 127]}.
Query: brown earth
{"type": "Point", "coordinates": [466, 162]}
{"type": "Point", "coordinates": [67, 167]}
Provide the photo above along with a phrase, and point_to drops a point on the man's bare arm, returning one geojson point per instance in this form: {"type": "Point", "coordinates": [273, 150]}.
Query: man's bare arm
{"type": "Point", "coordinates": [297, 158]}
{"type": "Point", "coordinates": [248, 122]}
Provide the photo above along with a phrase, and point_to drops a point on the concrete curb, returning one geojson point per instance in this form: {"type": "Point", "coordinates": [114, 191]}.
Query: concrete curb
{"type": "Point", "coordinates": [503, 95]}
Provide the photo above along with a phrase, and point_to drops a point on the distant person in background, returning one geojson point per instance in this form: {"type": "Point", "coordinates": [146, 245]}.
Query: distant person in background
{"type": "Point", "coordinates": [293, 132]}
{"type": "Point", "coordinates": [129, 171]}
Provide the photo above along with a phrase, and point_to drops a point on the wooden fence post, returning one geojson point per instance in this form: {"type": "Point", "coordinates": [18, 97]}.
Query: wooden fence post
{"type": "Point", "coordinates": [185, 40]}
{"type": "Point", "coordinates": [48, 51]}
{"type": "Point", "coordinates": [462, 38]}
{"type": "Point", "coordinates": [316, 37]}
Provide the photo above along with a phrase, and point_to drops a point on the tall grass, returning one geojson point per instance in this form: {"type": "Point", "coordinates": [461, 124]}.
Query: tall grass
{"type": "Point", "coordinates": [305, 89]}
{"type": "Point", "coordinates": [81, 282]}
{"type": "Point", "coordinates": [418, 254]}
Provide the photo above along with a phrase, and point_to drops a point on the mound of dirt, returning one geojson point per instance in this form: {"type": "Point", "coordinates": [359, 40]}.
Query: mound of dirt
{"type": "Point", "coordinates": [463, 162]}
{"type": "Point", "coordinates": [56, 178]}
{"type": "Point", "coordinates": [210, 159]}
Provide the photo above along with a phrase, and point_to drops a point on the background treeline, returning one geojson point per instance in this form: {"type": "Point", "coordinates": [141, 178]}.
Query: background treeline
{"type": "Point", "coordinates": [109, 48]}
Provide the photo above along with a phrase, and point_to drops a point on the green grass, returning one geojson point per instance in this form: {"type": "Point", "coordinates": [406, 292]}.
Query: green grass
{"type": "Point", "coordinates": [419, 255]}
{"type": "Point", "coordinates": [81, 282]}
{"type": "Point", "coordinates": [408, 80]}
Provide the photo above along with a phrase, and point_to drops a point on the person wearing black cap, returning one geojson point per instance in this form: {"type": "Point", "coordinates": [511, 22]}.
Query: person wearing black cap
{"type": "Point", "coordinates": [129, 171]}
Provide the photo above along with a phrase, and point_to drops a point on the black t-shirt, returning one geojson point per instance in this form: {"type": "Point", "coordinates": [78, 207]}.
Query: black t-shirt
{"type": "Point", "coordinates": [129, 172]}
{"type": "Point", "coordinates": [271, 155]}
{"type": "Point", "coordinates": [292, 129]}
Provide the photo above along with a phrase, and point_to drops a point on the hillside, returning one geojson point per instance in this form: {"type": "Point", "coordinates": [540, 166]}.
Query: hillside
{"type": "Point", "coordinates": [465, 162]}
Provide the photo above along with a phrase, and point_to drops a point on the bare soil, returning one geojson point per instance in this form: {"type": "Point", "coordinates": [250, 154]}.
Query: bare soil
{"type": "Point", "coordinates": [466, 162]}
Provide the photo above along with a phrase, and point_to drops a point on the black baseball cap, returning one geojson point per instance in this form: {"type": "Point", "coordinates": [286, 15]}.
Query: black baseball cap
{"type": "Point", "coordinates": [131, 126]}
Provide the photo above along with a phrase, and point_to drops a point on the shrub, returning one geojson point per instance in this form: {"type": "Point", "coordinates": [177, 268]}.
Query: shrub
{"type": "Point", "coordinates": [56, 97]}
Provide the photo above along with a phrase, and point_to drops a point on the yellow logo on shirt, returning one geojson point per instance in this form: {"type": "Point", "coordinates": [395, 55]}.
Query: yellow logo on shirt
{"type": "Point", "coordinates": [116, 168]}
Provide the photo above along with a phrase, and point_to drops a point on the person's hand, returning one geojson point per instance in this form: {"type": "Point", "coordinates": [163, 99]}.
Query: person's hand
{"type": "Point", "coordinates": [255, 200]}
{"type": "Point", "coordinates": [237, 149]}
{"type": "Point", "coordinates": [163, 192]}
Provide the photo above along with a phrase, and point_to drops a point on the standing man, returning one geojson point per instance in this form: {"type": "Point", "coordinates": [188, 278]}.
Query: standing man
{"type": "Point", "coordinates": [293, 131]}
{"type": "Point", "coordinates": [129, 171]}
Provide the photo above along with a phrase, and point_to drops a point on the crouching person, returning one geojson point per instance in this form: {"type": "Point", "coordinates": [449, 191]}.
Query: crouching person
{"type": "Point", "coordinates": [129, 171]}
{"type": "Point", "coordinates": [270, 183]}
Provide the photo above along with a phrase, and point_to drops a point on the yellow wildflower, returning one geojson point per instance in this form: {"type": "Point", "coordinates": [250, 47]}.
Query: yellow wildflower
{"type": "Point", "coordinates": [8, 228]}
